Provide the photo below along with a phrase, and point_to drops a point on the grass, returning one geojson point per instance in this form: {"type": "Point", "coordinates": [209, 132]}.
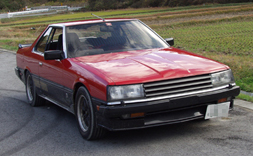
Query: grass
{"type": "Point", "coordinates": [221, 32]}
{"type": "Point", "coordinates": [197, 12]}
{"type": "Point", "coordinates": [245, 97]}
{"type": "Point", "coordinates": [82, 15]}
{"type": "Point", "coordinates": [227, 37]}
{"type": "Point", "coordinates": [246, 83]}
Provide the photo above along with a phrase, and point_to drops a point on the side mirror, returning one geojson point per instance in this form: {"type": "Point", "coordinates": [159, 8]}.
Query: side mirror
{"type": "Point", "coordinates": [170, 41]}
{"type": "Point", "coordinates": [53, 55]}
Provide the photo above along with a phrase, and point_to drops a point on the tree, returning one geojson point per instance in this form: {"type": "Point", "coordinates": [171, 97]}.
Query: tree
{"type": "Point", "coordinates": [12, 5]}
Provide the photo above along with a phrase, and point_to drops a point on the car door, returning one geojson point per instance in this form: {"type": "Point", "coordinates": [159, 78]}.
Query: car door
{"type": "Point", "coordinates": [51, 71]}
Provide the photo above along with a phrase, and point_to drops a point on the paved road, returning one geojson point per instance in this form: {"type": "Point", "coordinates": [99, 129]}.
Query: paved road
{"type": "Point", "coordinates": [50, 130]}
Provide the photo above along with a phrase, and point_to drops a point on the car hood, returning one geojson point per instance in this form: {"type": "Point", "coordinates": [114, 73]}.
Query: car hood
{"type": "Point", "coordinates": [150, 65]}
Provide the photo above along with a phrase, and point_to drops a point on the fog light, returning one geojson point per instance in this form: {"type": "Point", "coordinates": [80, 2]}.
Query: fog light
{"type": "Point", "coordinates": [126, 116]}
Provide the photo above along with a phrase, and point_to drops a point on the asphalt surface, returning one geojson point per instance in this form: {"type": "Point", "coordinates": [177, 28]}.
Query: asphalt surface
{"type": "Point", "coordinates": [50, 130]}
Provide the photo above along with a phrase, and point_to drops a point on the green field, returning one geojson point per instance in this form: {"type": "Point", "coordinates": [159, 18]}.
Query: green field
{"type": "Point", "coordinates": [229, 42]}
{"type": "Point", "coordinates": [221, 32]}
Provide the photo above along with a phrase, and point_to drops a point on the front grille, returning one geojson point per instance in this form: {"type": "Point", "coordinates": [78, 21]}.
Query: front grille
{"type": "Point", "coordinates": [177, 86]}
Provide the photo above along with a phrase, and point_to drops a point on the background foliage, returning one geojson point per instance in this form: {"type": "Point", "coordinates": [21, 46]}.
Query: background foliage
{"type": "Point", "coordinates": [119, 4]}
{"type": "Point", "coordinates": [17, 5]}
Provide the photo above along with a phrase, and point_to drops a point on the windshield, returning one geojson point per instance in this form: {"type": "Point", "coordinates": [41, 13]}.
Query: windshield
{"type": "Point", "coordinates": [109, 37]}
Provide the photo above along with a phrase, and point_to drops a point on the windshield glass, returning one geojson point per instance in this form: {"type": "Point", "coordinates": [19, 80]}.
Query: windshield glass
{"type": "Point", "coordinates": [108, 37]}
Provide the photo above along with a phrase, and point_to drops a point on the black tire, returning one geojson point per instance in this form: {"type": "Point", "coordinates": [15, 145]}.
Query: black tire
{"type": "Point", "coordinates": [86, 117]}
{"type": "Point", "coordinates": [32, 97]}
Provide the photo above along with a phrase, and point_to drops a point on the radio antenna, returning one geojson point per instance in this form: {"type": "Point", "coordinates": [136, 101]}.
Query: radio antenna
{"type": "Point", "coordinates": [98, 17]}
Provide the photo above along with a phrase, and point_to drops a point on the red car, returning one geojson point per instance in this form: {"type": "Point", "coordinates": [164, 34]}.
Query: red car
{"type": "Point", "coordinates": [118, 74]}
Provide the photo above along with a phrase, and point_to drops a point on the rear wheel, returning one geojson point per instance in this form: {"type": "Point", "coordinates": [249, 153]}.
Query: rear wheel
{"type": "Point", "coordinates": [86, 117]}
{"type": "Point", "coordinates": [32, 97]}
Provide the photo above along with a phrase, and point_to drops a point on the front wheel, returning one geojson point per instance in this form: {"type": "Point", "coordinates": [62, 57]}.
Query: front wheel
{"type": "Point", "coordinates": [86, 117]}
{"type": "Point", "coordinates": [32, 97]}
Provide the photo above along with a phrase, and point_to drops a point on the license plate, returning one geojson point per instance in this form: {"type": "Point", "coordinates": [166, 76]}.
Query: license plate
{"type": "Point", "coordinates": [217, 110]}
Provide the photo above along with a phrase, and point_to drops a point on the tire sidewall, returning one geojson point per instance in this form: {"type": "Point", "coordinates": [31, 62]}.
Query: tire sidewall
{"type": "Point", "coordinates": [31, 102]}
{"type": "Point", "coordinates": [85, 134]}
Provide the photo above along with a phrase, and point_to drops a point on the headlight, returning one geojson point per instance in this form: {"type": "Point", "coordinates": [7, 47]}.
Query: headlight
{"type": "Point", "coordinates": [125, 92]}
{"type": "Point", "coordinates": [222, 78]}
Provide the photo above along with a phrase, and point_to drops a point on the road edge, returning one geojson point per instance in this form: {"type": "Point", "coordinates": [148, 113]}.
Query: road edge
{"type": "Point", "coordinates": [244, 104]}
{"type": "Point", "coordinates": [7, 51]}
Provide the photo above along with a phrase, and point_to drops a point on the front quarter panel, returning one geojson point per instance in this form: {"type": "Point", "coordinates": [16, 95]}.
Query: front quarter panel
{"type": "Point", "coordinates": [23, 54]}
{"type": "Point", "coordinates": [93, 80]}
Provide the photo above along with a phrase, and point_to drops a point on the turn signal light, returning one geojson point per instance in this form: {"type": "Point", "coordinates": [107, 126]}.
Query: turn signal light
{"type": "Point", "coordinates": [222, 100]}
{"type": "Point", "coordinates": [134, 115]}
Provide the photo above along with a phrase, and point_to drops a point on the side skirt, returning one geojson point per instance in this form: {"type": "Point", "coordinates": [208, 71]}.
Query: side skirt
{"type": "Point", "coordinates": [70, 109]}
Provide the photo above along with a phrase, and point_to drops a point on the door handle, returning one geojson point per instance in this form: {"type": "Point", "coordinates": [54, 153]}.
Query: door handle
{"type": "Point", "coordinates": [40, 63]}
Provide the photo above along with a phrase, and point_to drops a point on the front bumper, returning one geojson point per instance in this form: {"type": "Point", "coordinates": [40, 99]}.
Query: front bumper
{"type": "Point", "coordinates": [20, 74]}
{"type": "Point", "coordinates": [161, 112]}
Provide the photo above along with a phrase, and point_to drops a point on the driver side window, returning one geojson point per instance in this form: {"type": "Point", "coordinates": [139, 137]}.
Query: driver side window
{"type": "Point", "coordinates": [51, 40]}
{"type": "Point", "coordinates": [41, 46]}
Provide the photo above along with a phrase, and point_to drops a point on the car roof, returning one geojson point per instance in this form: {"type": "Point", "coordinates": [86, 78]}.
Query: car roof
{"type": "Point", "coordinates": [90, 21]}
